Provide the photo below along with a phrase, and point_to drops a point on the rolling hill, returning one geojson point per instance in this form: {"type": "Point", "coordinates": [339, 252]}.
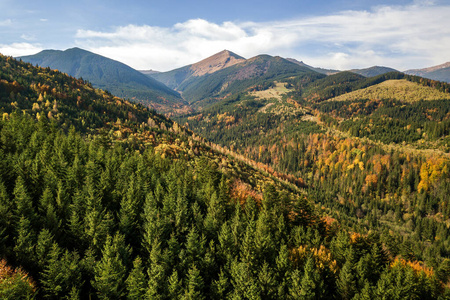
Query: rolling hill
{"type": "Point", "coordinates": [440, 72]}
{"type": "Point", "coordinates": [118, 78]}
{"type": "Point", "coordinates": [401, 90]}
{"type": "Point", "coordinates": [373, 71]}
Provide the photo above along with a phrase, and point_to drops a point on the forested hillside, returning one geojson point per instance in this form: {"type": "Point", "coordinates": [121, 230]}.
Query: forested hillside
{"type": "Point", "coordinates": [103, 199]}
{"type": "Point", "coordinates": [375, 164]}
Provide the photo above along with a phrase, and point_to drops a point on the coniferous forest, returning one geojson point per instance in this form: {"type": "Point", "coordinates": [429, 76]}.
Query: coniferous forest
{"type": "Point", "coordinates": [101, 198]}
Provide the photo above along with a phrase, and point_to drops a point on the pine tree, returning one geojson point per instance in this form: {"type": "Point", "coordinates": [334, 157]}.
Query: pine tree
{"type": "Point", "coordinates": [311, 284]}
{"type": "Point", "coordinates": [6, 216]}
{"type": "Point", "coordinates": [61, 275]}
{"type": "Point", "coordinates": [295, 286]}
{"type": "Point", "coordinates": [25, 242]}
{"type": "Point", "coordinates": [23, 202]}
{"type": "Point", "coordinates": [136, 281]}
{"type": "Point", "coordinates": [174, 286]}
{"type": "Point", "coordinates": [195, 285]}
{"type": "Point", "coordinates": [156, 272]}
{"type": "Point", "coordinates": [267, 282]}
{"type": "Point", "coordinates": [110, 271]}
{"type": "Point", "coordinates": [43, 246]}
{"type": "Point", "coordinates": [220, 287]}
{"type": "Point", "coordinates": [346, 282]}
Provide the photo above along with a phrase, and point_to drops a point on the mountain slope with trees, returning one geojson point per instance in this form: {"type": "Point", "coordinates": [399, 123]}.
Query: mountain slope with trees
{"type": "Point", "coordinates": [367, 161]}
{"type": "Point", "coordinates": [255, 73]}
{"type": "Point", "coordinates": [104, 73]}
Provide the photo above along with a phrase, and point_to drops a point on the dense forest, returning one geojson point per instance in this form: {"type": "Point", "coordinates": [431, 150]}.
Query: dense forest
{"type": "Point", "coordinates": [101, 198]}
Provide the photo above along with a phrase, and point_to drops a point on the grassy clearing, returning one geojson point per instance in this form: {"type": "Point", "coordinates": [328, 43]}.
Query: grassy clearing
{"type": "Point", "coordinates": [276, 92]}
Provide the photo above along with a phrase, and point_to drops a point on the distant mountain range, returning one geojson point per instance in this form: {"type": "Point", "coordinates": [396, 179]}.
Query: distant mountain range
{"type": "Point", "coordinates": [203, 83]}
{"type": "Point", "coordinates": [439, 72]}
{"type": "Point", "coordinates": [116, 77]}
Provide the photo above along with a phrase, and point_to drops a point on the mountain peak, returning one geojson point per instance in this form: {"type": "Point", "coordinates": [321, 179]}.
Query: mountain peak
{"type": "Point", "coordinates": [216, 62]}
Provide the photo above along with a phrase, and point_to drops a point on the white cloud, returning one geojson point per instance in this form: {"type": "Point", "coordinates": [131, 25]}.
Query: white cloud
{"type": "Point", "coordinates": [20, 49]}
{"type": "Point", "coordinates": [7, 22]}
{"type": "Point", "coordinates": [403, 37]}
{"type": "Point", "coordinates": [28, 37]}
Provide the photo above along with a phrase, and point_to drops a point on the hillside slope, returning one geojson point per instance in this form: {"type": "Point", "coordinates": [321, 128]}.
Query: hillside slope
{"type": "Point", "coordinates": [118, 78]}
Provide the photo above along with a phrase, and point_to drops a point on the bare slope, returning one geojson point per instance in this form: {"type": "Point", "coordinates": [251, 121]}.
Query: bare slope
{"type": "Point", "coordinates": [219, 61]}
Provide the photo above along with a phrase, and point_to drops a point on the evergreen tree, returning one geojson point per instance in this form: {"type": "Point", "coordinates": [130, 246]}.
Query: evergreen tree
{"type": "Point", "coordinates": [110, 271]}
{"type": "Point", "coordinates": [136, 281]}
{"type": "Point", "coordinates": [25, 242]}
{"type": "Point", "coordinates": [62, 274]}
{"type": "Point", "coordinates": [220, 287]}
{"type": "Point", "coordinates": [195, 285]}
{"type": "Point", "coordinates": [311, 286]}
{"type": "Point", "coordinates": [174, 286]}
{"type": "Point", "coordinates": [346, 282]}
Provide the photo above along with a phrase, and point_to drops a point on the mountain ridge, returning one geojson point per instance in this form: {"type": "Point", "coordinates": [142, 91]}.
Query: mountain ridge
{"type": "Point", "coordinates": [319, 70]}
{"type": "Point", "coordinates": [439, 72]}
{"type": "Point", "coordinates": [373, 71]}
{"type": "Point", "coordinates": [109, 74]}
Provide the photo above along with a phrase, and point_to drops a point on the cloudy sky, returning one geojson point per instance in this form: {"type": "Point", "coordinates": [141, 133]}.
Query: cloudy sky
{"type": "Point", "coordinates": [163, 35]}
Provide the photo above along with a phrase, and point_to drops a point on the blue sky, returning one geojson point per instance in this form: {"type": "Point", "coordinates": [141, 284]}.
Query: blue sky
{"type": "Point", "coordinates": [163, 35]}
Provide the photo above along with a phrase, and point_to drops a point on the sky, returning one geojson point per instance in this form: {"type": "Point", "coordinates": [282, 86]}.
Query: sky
{"type": "Point", "coordinates": [164, 35]}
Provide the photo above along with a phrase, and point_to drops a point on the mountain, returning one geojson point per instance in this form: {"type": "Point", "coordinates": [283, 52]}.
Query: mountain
{"type": "Point", "coordinates": [216, 62]}
{"type": "Point", "coordinates": [319, 70]}
{"type": "Point", "coordinates": [439, 72]}
{"type": "Point", "coordinates": [252, 73]}
{"type": "Point", "coordinates": [373, 71]}
{"type": "Point", "coordinates": [118, 78]}
{"type": "Point", "coordinates": [101, 198]}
